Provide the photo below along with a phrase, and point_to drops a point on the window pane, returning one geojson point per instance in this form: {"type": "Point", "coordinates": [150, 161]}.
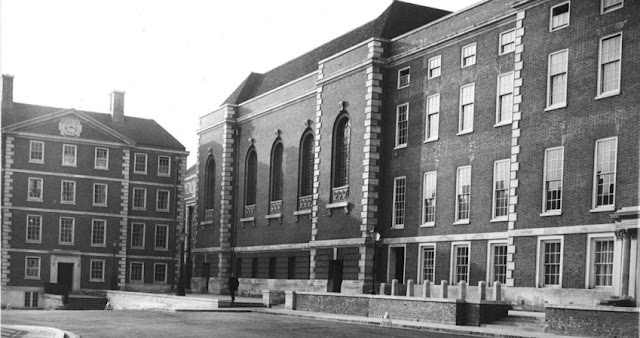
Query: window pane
{"type": "Point", "coordinates": [603, 263]}
{"type": "Point", "coordinates": [66, 230]}
{"type": "Point", "coordinates": [605, 172]}
{"type": "Point", "coordinates": [428, 267]}
{"type": "Point", "coordinates": [251, 178]}
{"type": "Point", "coordinates": [276, 173]}
{"type": "Point", "coordinates": [399, 199]}
{"type": "Point", "coordinates": [552, 255]}
{"type": "Point", "coordinates": [307, 166]}
{"type": "Point", "coordinates": [463, 193]}
{"type": "Point", "coordinates": [429, 194]}
{"type": "Point", "coordinates": [461, 264]}
{"type": "Point", "coordinates": [342, 149]}
{"type": "Point", "coordinates": [433, 109]}
{"type": "Point", "coordinates": [553, 179]}
{"type": "Point", "coordinates": [501, 188]}
{"type": "Point", "coordinates": [500, 263]}
{"type": "Point", "coordinates": [98, 230]}
{"type": "Point", "coordinates": [34, 224]}
{"type": "Point", "coordinates": [161, 236]}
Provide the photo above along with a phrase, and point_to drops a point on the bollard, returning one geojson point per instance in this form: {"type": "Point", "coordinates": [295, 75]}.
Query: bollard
{"type": "Point", "coordinates": [462, 290]}
{"type": "Point", "coordinates": [497, 291]}
{"type": "Point", "coordinates": [443, 289]}
{"type": "Point", "coordinates": [383, 286]}
{"type": "Point", "coordinates": [482, 290]}
{"type": "Point", "coordinates": [410, 288]}
{"type": "Point", "coordinates": [394, 287]}
{"type": "Point", "coordinates": [426, 289]}
{"type": "Point", "coordinates": [289, 300]}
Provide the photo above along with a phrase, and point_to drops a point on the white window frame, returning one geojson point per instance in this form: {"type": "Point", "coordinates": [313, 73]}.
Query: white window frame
{"type": "Point", "coordinates": [549, 75]}
{"type": "Point", "coordinates": [404, 262]}
{"type": "Point", "coordinates": [75, 155]}
{"type": "Point", "coordinates": [166, 239]}
{"type": "Point", "coordinates": [591, 253]}
{"type": "Point", "coordinates": [453, 258]}
{"type": "Point", "coordinates": [106, 194]}
{"type": "Point", "coordinates": [475, 55]}
{"type": "Point", "coordinates": [144, 230]}
{"type": "Point", "coordinates": [168, 173]}
{"type": "Point", "coordinates": [31, 299]}
{"type": "Point", "coordinates": [408, 76]}
{"type": "Point", "coordinates": [62, 200]}
{"type": "Point", "coordinates": [155, 265]}
{"type": "Point", "coordinates": [499, 113]}
{"type": "Point", "coordinates": [395, 201]}
{"type": "Point", "coordinates": [427, 122]}
{"type": "Point", "coordinates": [540, 260]}
{"type": "Point", "coordinates": [608, 207]}
{"type": "Point", "coordinates": [425, 180]}
{"type": "Point", "coordinates": [26, 237]}
{"type": "Point", "coordinates": [491, 259]}
{"type": "Point", "coordinates": [495, 218]}
{"type": "Point", "coordinates": [462, 220]}
{"type": "Point", "coordinates": [421, 248]}
{"type": "Point", "coordinates": [133, 203]}
{"type": "Point", "coordinates": [26, 267]}
{"type": "Point", "coordinates": [168, 200]}
{"type": "Point", "coordinates": [546, 212]}
{"type": "Point", "coordinates": [462, 104]}
{"type": "Point", "coordinates": [502, 44]}
{"type": "Point", "coordinates": [73, 231]}
{"type": "Point", "coordinates": [135, 163]}
{"type": "Point", "coordinates": [31, 150]}
{"type": "Point", "coordinates": [104, 232]}
{"type": "Point", "coordinates": [613, 8]}
{"type": "Point", "coordinates": [406, 139]}
{"type": "Point", "coordinates": [141, 280]}
{"type": "Point", "coordinates": [599, 93]}
{"type": "Point", "coordinates": [95, 160]}
{"type": "Point", "coordinates": [91, 279]}
{"type": "Point", "coordinates": [551, 16]}
{"type": "Point", "coordinates": [29, 187]}
{"type": "Point", "coordinates": [430, 69]}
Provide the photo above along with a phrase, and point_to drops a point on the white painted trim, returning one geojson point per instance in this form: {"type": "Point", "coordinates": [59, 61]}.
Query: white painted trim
{"type": "Point", "coordinates": [408, 69]}
{"type": "Point", "coordinates": [59, 257]}
{"type": "Point", "coordinates": [135, 163]}
{"type": "Point", "coordinates": [39, 268]}
{"type": "Point", "coordinates": [144, 235]}
{"type": "Point", "coordinates": [404, 268]}
{"type": "Point", "coordinates": [429, 77]}
{"type": "Point", "coordinates": [166, 270]}
{"type": "Point", "coordinates": [104, 234]}
{"type": "Point", "coordinates": [393, 207]}
{"type": "Point", "coordinates": [164, 150]}
{"type": "Point", "coordinates": [498, 106]}
{"type": "Point", "coordinates": [599, 93]}
{"type": "Point", "coordinates": [106, 195]}
{"type": "Point", "coordinates": [398, 107]}
{"type": "Point", "coordinates": [539, 260]}
{"type": "Point", "coordinates": [602, 11]}
{"type": "Point", "coordinates": [424, 188]}
{"type": "Point", "coordinates": [500, 53]}
{"type": "Point", "coordinates": [452, 261]}
{"type": "Point", "coordinates": [131, 280]}
{"type": "Point", "coordinates": [34, 199]}
{"type": "Point", "coordinates": [73, 230]}
{"type": "Point", "coordinates": [44, 137]}
{"type": "Point", "coordinates": [551, 28]}
{"type": "Point", "coordinates": [168, 174]}
{"type": "Point", "coordinates": [426, 122]}
{"type": "Point", "coordinates": [75, 155]}
{"type": "Point", "coordinates": [490, 259]}
{"type": "Point", "coordinates": [594, 191]}
{"type": "Point", "coordinates": [590, 258]}
{"type": "Point", "coordinates": [420, 275]}
{"type": "Point", "coordinates": [473, 108]}
{"type": "Point", "coordinates": [475, 55]}
{"type": "Point", "coordinates": [261, 248]}
{"type": "Point", "coordinates": [464, 220]}
{"type": "Point", "coordinates": [31, 143]}
{"type": "Point", "coordinates": [95, 158]}
{"type": "Point", "coordinates": [544, 184]}
{"type": "Point", "coordinates": [26, 228]}
{"type": "Point", "coordinates": [100, 178]}
{"type": "Point", "coordinates": [91, 270]}
{"type": "Point", "coordinates": [166, 241]}
{"type": "Point", "coordinates": [168, 208]}
{"type": "Point", "coordinates": [495, 218]}
{"type": "Point", "coordinates": [133, 198]}
{"type": "Point", "coordinates": [563, 104]}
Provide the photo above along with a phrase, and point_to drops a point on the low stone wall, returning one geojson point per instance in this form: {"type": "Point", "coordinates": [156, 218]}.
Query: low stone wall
{"type": "Point", "coordinates": [252, 287]}
{"type": "Point", "coordinates": [536, 299]}
{"type": "Point", "coordinates": [152, 288]}
{"type": "Point", "coordinates": [595, 321]}
{"type": "Point", "coordinates": [53, 302]}
{"type": "Point", "coordinates": [436, 310]}
{"type": "Point", "coordinates": [121, 300]}
{"type": "Point", "coordinates": [14, 296]}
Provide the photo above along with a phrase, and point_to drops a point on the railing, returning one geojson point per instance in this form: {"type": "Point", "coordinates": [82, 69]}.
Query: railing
{"type": "Point", "coordinates": [305, 202]}
{"type": "Point", "coordinates": [275, 207]}
{"type": "Point", "coordinates": [340, 194]}
{"type": "Point", "coordinates": [249, 210]}
{"type": "Point", "coordinates": [57, 289]}
{"type": "Point", "coordinates": [209, 214]}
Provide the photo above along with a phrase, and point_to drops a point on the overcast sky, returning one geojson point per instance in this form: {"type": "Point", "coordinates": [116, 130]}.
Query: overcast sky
{"type": "Point", "coordinates": [176, 60]}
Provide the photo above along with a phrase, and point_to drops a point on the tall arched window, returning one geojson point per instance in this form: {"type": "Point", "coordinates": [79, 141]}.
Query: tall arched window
{"type": "Point", "coordinates": [276, 178]}
{"type": "Point", "coordinates": [251, 173]}
{"type": "Point", "coordinates": [341, 147]}
{"type": "Point", "coordinates": [209, 189]}
{"type": "Point", "coordinates": [305, 179]}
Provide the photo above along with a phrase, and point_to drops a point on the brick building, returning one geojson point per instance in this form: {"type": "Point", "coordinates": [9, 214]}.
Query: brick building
{"type": "Point", "coordinates": [497, 143]}
{"type": "Point", "coordinates": [90, 200]}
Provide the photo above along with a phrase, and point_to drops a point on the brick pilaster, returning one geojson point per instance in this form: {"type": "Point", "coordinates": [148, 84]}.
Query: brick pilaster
{"type": "Point", "coordinates": [515, 145]}
{"type": "Point", "coordinates": [226, 194]}
{"type": "Point", "coordinates": [124, 220]}
{"type": "Point", "coordinates": [7, 199]}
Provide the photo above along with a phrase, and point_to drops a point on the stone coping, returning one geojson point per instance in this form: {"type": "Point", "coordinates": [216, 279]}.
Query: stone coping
{"type": "Point", "coordinates": [161, 295]}
{"type": "Point", "coordinates": [594, 308]}
{"type": "Point", "coordinates": [403, 298]}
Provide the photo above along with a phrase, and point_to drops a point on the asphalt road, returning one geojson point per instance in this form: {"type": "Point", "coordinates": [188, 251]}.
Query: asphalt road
{"type": "Point", "coordinates": [127, 323]}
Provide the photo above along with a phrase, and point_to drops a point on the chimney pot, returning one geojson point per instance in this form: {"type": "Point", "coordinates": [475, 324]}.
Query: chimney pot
{"type": "Point", "coordinates": [7, 91]}
{"type": "Point", "coordinates": [117, 106]}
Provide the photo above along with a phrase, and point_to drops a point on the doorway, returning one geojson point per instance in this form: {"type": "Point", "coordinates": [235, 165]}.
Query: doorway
{"type": "Point", "coordinates": [65, 275]}
{"type": "Point", "coordinates": [334, 283]}
{"type": "Point", "coordinates": [396, 264]}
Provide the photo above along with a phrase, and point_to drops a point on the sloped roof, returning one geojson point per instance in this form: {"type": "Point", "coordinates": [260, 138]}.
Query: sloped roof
{"type": "Point", "coordinates": [144, 132]}
{"type": "Point", "coordinates": [398, 18]}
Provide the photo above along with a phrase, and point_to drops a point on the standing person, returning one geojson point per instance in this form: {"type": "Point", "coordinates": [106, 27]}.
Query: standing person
{"type": "Point", "coordinates": [233, 286]}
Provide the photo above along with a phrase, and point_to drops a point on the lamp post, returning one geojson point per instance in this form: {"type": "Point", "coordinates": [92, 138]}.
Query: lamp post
{"type": "Point", "coordinates": [114, 277]}
{"type": "Point", "coordinates": [183, 235]}
{"type": "Point", "coordinates": [375, 237]}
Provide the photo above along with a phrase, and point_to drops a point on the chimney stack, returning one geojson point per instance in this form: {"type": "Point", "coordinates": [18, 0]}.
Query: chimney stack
{"type": "Point", "coordinates": [117, 106]}
{"type": "Point", "coordinates": [7, 91]}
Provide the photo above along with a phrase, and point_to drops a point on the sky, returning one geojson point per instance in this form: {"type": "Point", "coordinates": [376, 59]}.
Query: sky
{"type": "Point", "coordinates": [176, 60]}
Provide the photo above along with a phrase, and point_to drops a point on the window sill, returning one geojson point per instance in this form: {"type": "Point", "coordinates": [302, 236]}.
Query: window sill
{"type": "Point", "coordinates": [100, 205]}
{"type": "Point", "coordinates": [428, 225]}
{"type": "Point", "coordinates": [36, 162]}
{"type": "Point", "coordinates": [32, 278]}
{"type": "Point", "coordinates": [603, 208]}
{"type": "Point", "coordinates": [461, 222]}
{"type": "Point", "coordinates": [397, 227]}
{"type": "Point", "coordinates": [159, 282]}
{"type": "Point", "coordinates": [248, 219]}
{"type": "Point", "coordinates": [551, 213]}
{"type": "Point", "coordinates": [96, 280]}
{"type": "Point", "coordinates": [607, 94]}
{"type": "Point", "coordinates": [549, 287]}
{"type": "Point", "coordinates": [161, 210]}
{"type": "Point", "coordinates": [401, 146]}
{"type": "Point", "coordinates": [65, 244]}
{"type": "Point", "coordinates": [34, 200]}
{"type": "Point", "coordinates": [499, 219]}
{"type": "Point", "coordinates": [136, 282]}
{"type": "Point", "coordinates": [137, 247]}
{"type": "Point", "coordinates": [98, 245]}
{"type": "Point", "coordinates": [69, 165]}
{"type": "Point", "coordinates": [555, 29]}
{"type": "Point", "coordinates": [403, 86]}
{"type": "Point", "coordinates": [161, 249]}
{"type": "Point", "coordinates": [100, 168]}
{"type": "Point", "coordinates": [70, 203]}
{"type": "Point", "coordinates": [33, 242]}
{"type": "Point", "coordinates": [139, 209]}
{"type": "Point", "coordinates": [502, 124]}
{"type": "Point", "coordinates": [343, 204]}
{"type": "Point", "coordinates": [164, 175]}
{"type": "Point", "coordinates": [302, 212]}
{"type": "Point", "coordinates": [557, 106]}
{"type": "Point", "coordinates": [469, 65]}
{"type": "Point", "coordinates": [505, 53]}
{"type": "Point", "coordinates": [430, 140]}
{"type": "Point", "coordinates": [464, 132]}
{"type": "Point", "coordinates": [434, 77]}
{"type": "Point", "coordinates": [139, 173]}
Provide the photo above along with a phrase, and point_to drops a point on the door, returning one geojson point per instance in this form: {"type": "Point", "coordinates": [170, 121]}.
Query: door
{"type": "Point", "coordinates": [335, 276]}
{"type": "Point", "coordinates": [206, 271]}
{"type": "Point", "coordinates": [396, 264]}
{"type": "Point", "coordinates": [65, 275]}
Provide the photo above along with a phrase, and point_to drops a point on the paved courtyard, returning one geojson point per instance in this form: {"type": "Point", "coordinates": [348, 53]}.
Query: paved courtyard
{"type": "Point", "coordinates": [127, 323]}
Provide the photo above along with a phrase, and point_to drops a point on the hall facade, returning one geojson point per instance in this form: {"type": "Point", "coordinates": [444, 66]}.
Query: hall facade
{"type": "Point", "coordinates": [498, 143]}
